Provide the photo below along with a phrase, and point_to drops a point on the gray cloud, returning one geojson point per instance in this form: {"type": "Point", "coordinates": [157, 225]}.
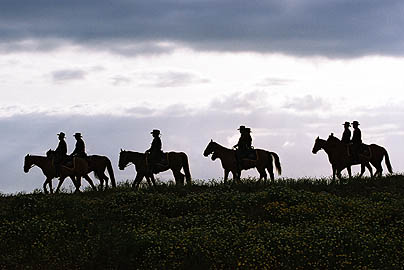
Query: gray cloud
{"type": "Point", "coordinates": [68, 75]}
{"type": "Point", "coordinates": [307, 103]}
{"type": "Point", "coordinates": [275, 82]}
{"type": "Point", "coordinates": [120, 80]}
{"type": "Point", "coordinates": [287, 133]}
{"type": "Point", "coordinates": [170, 79]}
{"type": "Point", "coordinates": [328, 28]}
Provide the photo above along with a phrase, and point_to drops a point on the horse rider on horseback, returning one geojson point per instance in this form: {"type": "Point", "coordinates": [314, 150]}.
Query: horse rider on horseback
{"type": "Point", "coordinates": [346, 136]}
{"type": "Point", "coordinates": [60, 152]}
{"type": "Point", "coordinates": [244, 144]}
{"type": "Point", "coordinates": [155, 153]}
{"type": "Point", "coordinates": [80, 148]}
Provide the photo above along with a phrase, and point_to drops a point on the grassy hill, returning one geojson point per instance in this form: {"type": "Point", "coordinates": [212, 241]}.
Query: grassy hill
{"type": "Point", "coordinates": [291, 224]}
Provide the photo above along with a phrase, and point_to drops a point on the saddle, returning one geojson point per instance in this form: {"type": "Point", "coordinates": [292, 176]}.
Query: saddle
{"type": "Point", "coordinates": [160, 159]}
{"type": "Point", "coordinates": [359, 151]}
{"type": "Point", "coordinates": [250, 154]}
{"type": "Point", "coordinates": [163, 160]}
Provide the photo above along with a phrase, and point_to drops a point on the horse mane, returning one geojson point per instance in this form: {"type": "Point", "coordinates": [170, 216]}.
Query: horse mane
{"type": "Point", "coordinates": [221, 146]}
{"type": "Point", "coordinates": [333, 139]}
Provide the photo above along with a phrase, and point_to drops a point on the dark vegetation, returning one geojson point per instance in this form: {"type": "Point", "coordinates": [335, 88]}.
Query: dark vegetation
{"type": "Point", "coordinates": [291, 224]}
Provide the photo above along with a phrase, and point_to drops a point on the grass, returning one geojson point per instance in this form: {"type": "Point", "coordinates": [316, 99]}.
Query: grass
{"type": "Point", "coordinates": [290, 224]}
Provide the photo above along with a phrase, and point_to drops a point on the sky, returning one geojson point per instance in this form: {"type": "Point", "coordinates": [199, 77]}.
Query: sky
{"type": "Point", "coordinates": [197, 70]}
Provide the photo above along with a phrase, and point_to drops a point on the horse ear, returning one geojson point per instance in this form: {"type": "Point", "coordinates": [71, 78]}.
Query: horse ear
{"type": "Point", "coordinates": [211, 140]}
{"type": "Point", "coordinates": [318, 137]}
{"type": "Point", "coordinates": [121, 149]}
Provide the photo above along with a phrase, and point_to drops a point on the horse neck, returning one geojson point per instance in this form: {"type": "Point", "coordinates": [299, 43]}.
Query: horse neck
{"type": "Point", "coordinates": [40, 161]}
{"type": "Point", "coordinates": [330, 148]}
{"type": "Point", "coordinates": [222, 151]}
{"type": "Point", "coordinates": [135, 157]}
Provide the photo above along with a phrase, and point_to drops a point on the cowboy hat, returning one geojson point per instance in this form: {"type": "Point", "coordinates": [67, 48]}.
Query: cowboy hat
{"type": "Point", "coordinates": [77, 134]}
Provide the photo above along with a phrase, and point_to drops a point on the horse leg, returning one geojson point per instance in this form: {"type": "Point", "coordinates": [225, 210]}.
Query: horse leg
{"type": "Point", "coordinates": [333, 173]}
{"type": "Point", "coordinates": [363, 168]}
{"type": "Point", "coordinates": [47, 180]}
{"type": "Point", "coordinates": [50, 186]}
{"type": "Point", "coordinates": [271, 173]}
{"type": "Point", "coordinates": [88, 180]}
{"type": "Point", "coordinates": [379, 170]}
{"type": "Point", "coordinates": [153, 180]}
{"type": "Point", "coordinates": [349, 172]}
{"type": "Point", "coordinates": [137, 180]}
{"type": "Point", "coordinates": [148, 181]}
{"type": "Point", "coordinates": [339, 175]}
{"type": "Point", "coordinates": [226, 175]}
{"type": "Point", "coordinates": [263, 174]}
{"type": "Point", "coordinates": [61, 179]}
{"type": "Point", "coordinates": [369, 168]}
{"type": "Point", "coordinates": [179, 178]}
{"type": "Point", "coordinates": [236, 176]}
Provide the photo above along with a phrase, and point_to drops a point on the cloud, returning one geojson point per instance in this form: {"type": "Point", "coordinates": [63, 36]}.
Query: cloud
{"type": "Point", "coordinates": [119, 80]}
{"type": "Point", "coordinates": [310, 28]}
{"type": "Point", "coordinates": [307, 103]}
{"type": "Point", "coordinates": [275, 82]}
{"type": "Point", "coordinates": [169, 79]}
{"type": "Point", "coordinates": [68, 75]}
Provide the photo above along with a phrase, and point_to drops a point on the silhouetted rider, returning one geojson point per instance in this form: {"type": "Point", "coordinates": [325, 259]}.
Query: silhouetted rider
{"type": "Point", "coordinates": [80, 148]}
{"type": "Point", "coordinates": [60, 153]}
{"type": "Point", "coordinates": [155, 152]}
{"type": "Point", "coordinates": [346, 136]}
{"type": "Point", "coordinates": [357, 134]}
{"type": "Point", "coordinates": [244, 144]}
{"type": "Point", "coordinates": [245, 140]}
{"type": "Point", "coordinates": [356, 140]}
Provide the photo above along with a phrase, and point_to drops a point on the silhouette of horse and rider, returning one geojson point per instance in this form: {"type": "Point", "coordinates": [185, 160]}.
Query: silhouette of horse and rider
{"type": "Point", "coordinates": [154, 161]}
{"type": "Point", "coordinates": [243, 157]}
{"type": "Point", "coordinates": [344, 153]}
{"type": "Point", "coordinates": [78, 164]}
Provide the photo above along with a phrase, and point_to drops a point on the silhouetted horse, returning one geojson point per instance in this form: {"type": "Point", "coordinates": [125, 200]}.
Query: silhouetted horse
{"type": "Point", "coordinates": [94, 163]}
{"type": "Point", "coordinates": [46, 165]}
{"type": "Point", "coordinates": [176, 162]}
{"type": "Point", "coordinates": [264, 161]}
{"type": "Point", "coordinates": [340, 158]}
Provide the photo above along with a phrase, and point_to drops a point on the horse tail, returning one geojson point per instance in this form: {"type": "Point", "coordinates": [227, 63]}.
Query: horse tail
{"type": "Point", "coordinates": [185, 166]}
{"type": "Point", "coordinates": [387, 161]}
{"type": "Point", "coordinates": [111, 172]}
{"type": "Point", "coordinates": [277, 162]}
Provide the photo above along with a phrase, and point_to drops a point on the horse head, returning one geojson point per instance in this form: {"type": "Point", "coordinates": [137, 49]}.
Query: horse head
{"type": "Point", "coordinates": [27, 163]}
{"type": "Point", "coordinates": [318, 145]}
{"type": "Point", "coordinates": [214, 156]}
{"type": "Point", "coordinates": [209, 149]}
{"type": "Point", "coordinates": [123, 159]}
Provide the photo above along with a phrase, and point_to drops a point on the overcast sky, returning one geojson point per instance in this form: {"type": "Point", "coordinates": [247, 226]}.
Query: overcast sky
{"type": "Point", "coordinates": [197, 70]}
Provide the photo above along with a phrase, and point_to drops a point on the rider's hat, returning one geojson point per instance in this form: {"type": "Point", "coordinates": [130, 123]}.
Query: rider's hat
{"type": "Point", "coordinates": [155, 132]}
{"type": "Point", "coordinates": [355, 123]}
{"type": "Point", "coordinates": [77, 134]}
{"type": "Point", "coordinates": [241, 128]}
{"type": "Point", "coordinates": [347, 124]}
{"type": "Point", "coordinates": [61, 134]}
